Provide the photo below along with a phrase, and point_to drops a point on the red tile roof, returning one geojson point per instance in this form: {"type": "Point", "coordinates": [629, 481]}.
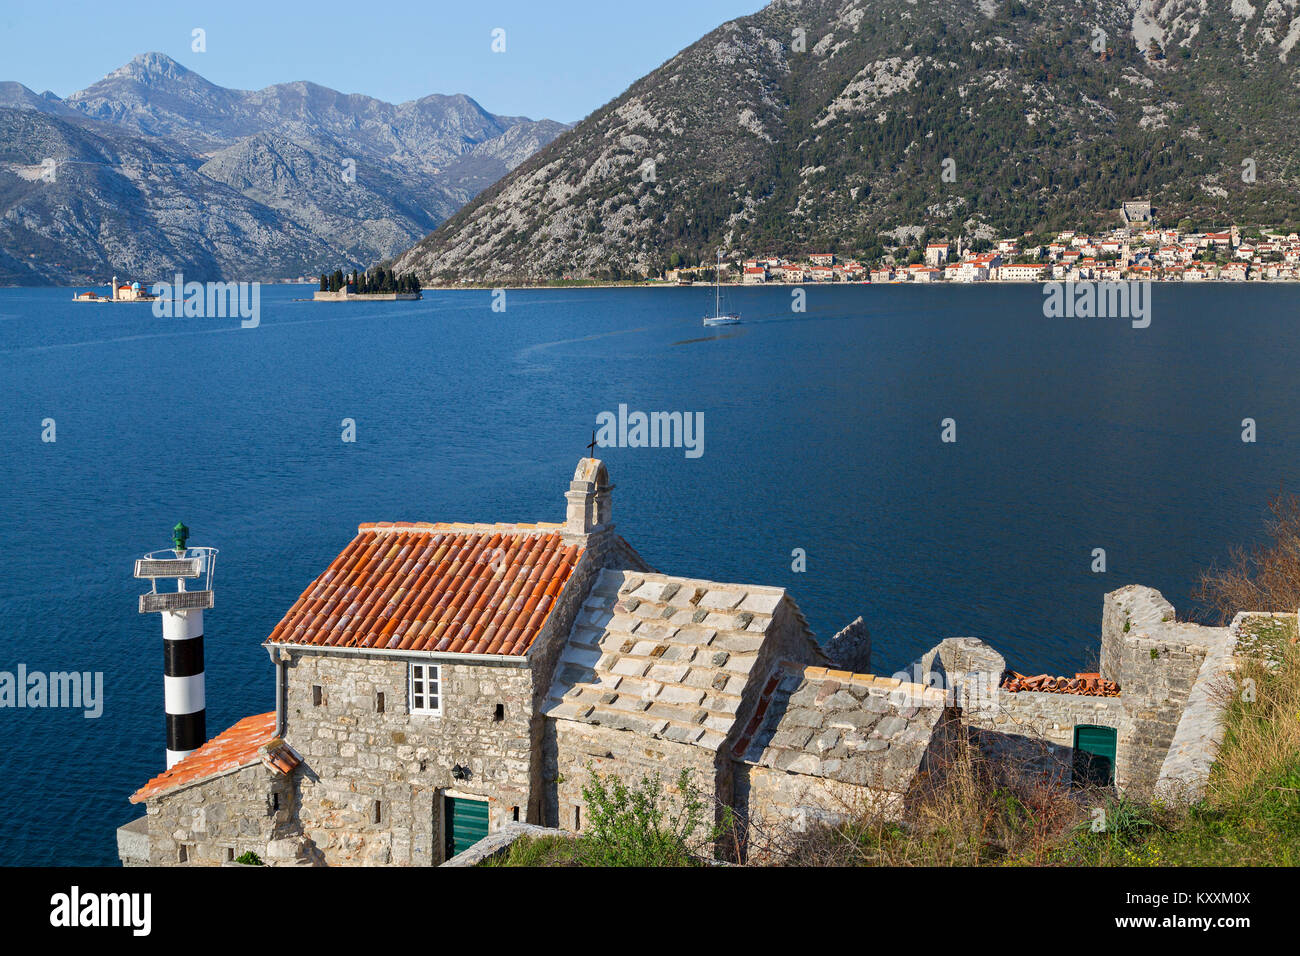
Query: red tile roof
{"type": "Point", "coordinates": [237, 747]}
{"type": "Point", "coordinates": [462, 589]}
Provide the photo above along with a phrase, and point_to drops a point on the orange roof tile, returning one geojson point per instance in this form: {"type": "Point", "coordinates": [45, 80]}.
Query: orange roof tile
{"type": "Point", "coordinates": [449, 588]}
{"type": "Point", "coordinates": [236, 747]}
{"type": "Point", "coordinates": [1088, 684]}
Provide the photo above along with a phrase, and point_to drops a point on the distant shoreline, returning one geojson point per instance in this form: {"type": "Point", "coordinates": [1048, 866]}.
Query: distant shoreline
{"type": "Point", "coordinates": [945, 283]}
{"type": "Point", "coordinates": [841, 285]}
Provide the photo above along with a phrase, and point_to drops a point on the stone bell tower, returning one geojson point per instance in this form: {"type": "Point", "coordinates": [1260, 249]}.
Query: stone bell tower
{"type": "Point", "coordinates": [590, 508]}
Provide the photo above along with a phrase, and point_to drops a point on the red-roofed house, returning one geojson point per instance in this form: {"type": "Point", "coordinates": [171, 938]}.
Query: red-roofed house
{"type": "Point", "coordinates": [1022, 272]}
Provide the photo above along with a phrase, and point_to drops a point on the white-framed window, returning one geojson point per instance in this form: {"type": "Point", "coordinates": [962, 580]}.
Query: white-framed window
{"type": "Point", "coordinates": [425, 682]}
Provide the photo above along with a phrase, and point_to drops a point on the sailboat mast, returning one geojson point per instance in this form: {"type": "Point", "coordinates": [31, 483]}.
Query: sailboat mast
{"type": "Point", "coordinates": [717, 286]}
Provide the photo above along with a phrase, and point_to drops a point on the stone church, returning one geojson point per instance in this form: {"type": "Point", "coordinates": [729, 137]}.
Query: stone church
{"type": "Point", "coordinates": [439, 681]}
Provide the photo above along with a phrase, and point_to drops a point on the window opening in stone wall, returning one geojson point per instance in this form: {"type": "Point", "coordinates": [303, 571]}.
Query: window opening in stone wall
{"type": "Point", "coordinates": [425, 689]}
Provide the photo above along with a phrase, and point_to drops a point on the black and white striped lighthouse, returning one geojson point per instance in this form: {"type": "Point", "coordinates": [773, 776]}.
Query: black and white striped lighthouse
{"type": "Point", "coordinates": [182, 621]}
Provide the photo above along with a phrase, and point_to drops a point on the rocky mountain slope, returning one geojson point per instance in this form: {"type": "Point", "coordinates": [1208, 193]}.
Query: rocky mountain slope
{"type": "Point", "coordinates": [155, 95]}
{"type": "Point", "coordinates": [848, 125]}
{"type": "Point", "coordinates": [124, 204]}
{"type": "Point", "coordinates": [341, 179]}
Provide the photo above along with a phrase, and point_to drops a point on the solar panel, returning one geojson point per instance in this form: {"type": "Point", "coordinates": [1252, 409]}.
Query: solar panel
{"type": "Point", "coordinates": [175, 601]}
{"type": "Point", "coordinates": [168, 567]}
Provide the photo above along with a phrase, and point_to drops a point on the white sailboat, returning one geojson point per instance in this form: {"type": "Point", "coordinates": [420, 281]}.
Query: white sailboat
{"type": "Point", "coordinates": [719, 317]}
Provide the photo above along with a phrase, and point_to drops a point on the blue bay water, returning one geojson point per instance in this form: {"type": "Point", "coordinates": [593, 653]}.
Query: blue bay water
{"type": "Point", "coordinates": [821, 432]}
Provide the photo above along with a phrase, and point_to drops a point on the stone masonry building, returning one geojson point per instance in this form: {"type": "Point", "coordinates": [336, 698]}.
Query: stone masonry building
{"type": "Point", "coordinates": [439, 681]}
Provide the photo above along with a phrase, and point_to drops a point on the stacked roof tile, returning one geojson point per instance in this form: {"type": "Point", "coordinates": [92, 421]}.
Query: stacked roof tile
{"type": "Point", "coordinates": [1085, 684]}
{"type": "Point", "coordinates": [446, 588]}
{"type": "Point", "coordinates": [240, 746]}
{"type": "Point", "coordinates": [664, 656]}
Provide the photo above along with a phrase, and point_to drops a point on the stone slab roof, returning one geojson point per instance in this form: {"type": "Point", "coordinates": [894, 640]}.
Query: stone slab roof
{"type": "Point", "coordinates": [447, 588]}
{"type": "Point", "coordinates": [855, 728]}
{"type": "Point", "coordinates": [665, 656]}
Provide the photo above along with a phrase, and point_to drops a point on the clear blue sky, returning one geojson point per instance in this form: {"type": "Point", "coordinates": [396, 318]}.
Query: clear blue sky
{"type": "Point", "coordinates": [563, 58]}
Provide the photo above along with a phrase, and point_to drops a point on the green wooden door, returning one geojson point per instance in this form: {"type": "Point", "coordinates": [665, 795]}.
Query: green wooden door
{"type": "Point", "coordinates": [1094, 755]}
{"type": "Point", "coordinates": [465, 822]}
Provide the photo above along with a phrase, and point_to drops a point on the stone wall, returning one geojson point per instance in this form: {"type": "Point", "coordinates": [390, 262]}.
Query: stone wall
{"type": "Point", "coordinates": [780, 804]}
{"type": "Point", "coordinates": [1156, 661]}
{"type": "Point", "coordinates": [1186, 767]}
{"type": "Point", "coordinates": [967, 668]}
{"type": "Point", "coordinates": [574, 749]}
{"type": "Point", "coordinates": [1034, 732]}
{"type": "Point", "coordinates": [957, 657]}
{"type": "Point", "coordinates": [1123, 610]}
{"type": "Point", "coordinates": [133, 843]}
{"type": "Point", "coordinates": [777, 805]}
{"type": "Point", "coordinates": [1028, 730]}
{"type": "Point", "coordinates": [601, 550]}
{"type": "Point", "coordinates": [1050, 717]}
{"type": "Point", "coordinates": [218, 819]}
{"type": "Point", "coordinates": [788, 640]}
{"type": "Point", "coordinates": [370, 788]}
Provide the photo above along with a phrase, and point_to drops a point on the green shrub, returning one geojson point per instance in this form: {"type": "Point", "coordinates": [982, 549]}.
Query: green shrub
{"type": "Point", "coordinates": [639, 825]}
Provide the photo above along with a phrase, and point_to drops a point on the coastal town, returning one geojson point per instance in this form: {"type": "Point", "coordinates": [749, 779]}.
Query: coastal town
{"type": "Point", "coordinates": [1137, 251]}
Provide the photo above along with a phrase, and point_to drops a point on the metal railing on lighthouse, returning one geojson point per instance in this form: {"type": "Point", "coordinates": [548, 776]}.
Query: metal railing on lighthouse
{"type": "Point", "coordinates": [182, 621]}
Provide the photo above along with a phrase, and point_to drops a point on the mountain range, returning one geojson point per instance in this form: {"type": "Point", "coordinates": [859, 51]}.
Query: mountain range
{"type": "Point", "coordinates": [859, 126]}
{"type": "Point", "coordinates": [154, 169]}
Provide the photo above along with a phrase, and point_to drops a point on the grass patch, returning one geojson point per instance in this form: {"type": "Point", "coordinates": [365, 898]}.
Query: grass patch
{"type": "Point", "coordinates": [1265, 637]}
{"type": "Point", "coordinates": [538, 851]}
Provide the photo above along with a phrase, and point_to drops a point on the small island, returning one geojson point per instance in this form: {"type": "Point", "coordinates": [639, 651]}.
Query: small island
{"type": "Point", "coordinates": [377, 284]}
{"type": "Point", "coordinates": [125, 292]}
